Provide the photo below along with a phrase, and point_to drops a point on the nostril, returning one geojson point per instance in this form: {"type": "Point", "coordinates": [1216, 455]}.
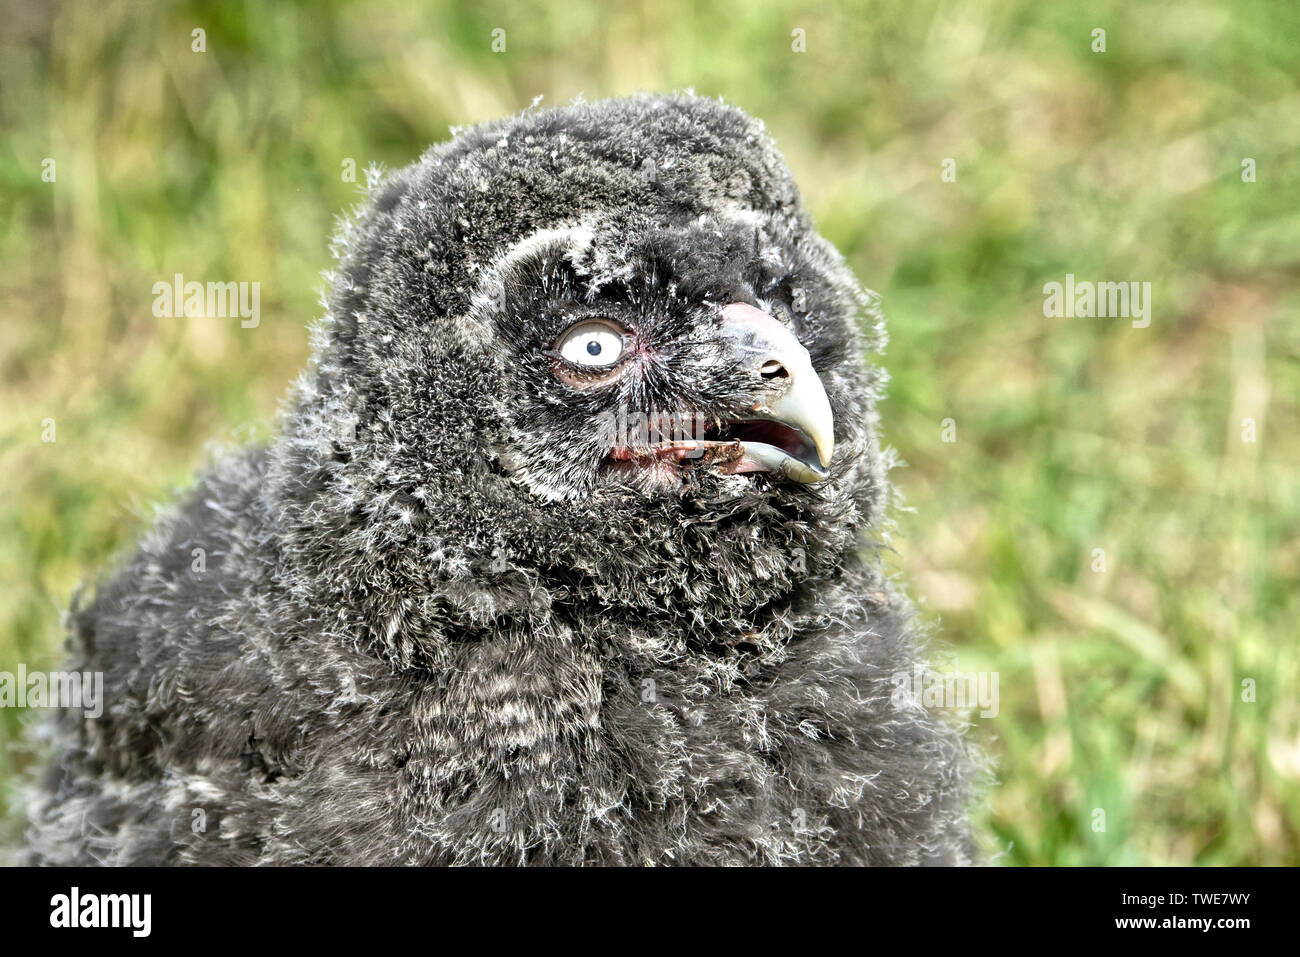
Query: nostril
{"type": "Point", "coordinates": [773, 370]}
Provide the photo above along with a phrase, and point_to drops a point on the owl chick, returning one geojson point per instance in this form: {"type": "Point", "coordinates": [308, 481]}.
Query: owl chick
{"type": "Point", "coordinates": [565, 553]}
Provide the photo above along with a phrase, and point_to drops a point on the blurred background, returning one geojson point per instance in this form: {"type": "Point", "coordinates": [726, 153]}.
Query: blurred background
{"type": "Point", "coordinates": [1109, 520]}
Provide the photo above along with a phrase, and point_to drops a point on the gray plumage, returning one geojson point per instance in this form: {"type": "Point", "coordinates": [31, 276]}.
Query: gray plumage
{"type": "Point", "coordinates": [437, 624]}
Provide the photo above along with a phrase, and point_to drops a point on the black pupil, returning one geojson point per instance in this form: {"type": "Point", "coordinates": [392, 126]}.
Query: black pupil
{"type": "Point", "coordinates": [593, 348]}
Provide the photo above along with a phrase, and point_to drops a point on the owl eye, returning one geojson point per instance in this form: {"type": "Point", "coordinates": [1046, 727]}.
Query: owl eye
{"type": "Point", "coordinates": [592, 343]}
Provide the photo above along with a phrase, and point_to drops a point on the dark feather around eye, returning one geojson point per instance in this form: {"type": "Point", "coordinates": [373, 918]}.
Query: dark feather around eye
{"type": "Point", "coordinates": [784, 304]}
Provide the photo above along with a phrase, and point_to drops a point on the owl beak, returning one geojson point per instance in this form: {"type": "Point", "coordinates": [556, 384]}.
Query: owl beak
{"type": "Point", "coordinates": [793, 430]}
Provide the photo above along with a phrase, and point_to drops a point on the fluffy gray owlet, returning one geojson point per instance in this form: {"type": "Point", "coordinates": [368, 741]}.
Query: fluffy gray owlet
{"type": "Point", "coordinates": [564, 553]}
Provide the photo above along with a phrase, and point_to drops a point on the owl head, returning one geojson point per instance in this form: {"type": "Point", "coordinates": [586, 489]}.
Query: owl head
{"type": "Point", "coordinates": [592, 355]}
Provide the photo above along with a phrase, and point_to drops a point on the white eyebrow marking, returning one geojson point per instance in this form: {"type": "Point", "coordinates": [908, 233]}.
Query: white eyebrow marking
{"type": "Point", "coordinates": [474, 326]}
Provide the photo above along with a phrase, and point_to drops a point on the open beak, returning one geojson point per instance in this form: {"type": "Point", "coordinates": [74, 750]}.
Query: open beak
{"type": "Point", "coordinates": [791, 431]}
{"type": "Point", "coordinates": [786, 426]}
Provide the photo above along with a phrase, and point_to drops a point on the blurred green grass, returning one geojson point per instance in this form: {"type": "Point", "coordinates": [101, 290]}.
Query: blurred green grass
{"type": "Point", "coordinates": [1120, 690]}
